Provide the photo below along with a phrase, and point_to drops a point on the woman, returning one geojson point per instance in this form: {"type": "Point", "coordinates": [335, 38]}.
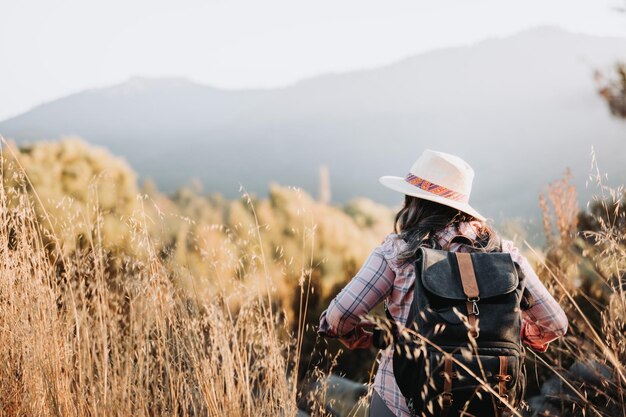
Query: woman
{"type": "Point", "coordinates": [436, 207]}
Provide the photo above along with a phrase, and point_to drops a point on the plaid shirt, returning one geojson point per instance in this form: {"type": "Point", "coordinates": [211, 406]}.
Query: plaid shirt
{"type": "Point", "coordinates": [382, 277]}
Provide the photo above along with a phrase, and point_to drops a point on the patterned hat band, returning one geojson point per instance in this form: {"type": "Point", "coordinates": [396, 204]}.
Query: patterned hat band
{"type": "Point", "coordinates": [436, 189]}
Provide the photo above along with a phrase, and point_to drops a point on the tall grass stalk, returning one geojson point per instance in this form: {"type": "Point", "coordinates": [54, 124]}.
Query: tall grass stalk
{"type": "Point", "coordinates": [97, 333]}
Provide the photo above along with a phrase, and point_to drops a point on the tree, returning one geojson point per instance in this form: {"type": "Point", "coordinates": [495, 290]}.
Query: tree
{"type": "Point", "coordinates": [613, 89]}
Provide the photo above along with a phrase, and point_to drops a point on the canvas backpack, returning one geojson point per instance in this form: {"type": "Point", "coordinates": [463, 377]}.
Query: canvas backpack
{"type": "Point", "coordinates": [467, 305]}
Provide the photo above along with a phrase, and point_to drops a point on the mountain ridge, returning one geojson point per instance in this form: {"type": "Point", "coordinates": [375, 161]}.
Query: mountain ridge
{"type": "Point", "coordinates": [497, 103]}
{"type": "Point", "coordinates": [184, 79]}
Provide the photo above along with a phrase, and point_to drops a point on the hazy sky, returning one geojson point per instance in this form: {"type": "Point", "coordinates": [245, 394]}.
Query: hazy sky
{"type": "Point", "coordinates": [51, 48]}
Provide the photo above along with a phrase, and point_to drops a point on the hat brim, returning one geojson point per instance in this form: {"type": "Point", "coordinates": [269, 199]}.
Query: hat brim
{"type": "Point", "coordinates": [400, 185]}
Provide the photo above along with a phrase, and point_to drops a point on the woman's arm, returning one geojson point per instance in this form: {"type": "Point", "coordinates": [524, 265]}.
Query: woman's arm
{"type": "Point", "coordinates": [545, 320]}
{"type": "Point", "coordinates": [367, 288]}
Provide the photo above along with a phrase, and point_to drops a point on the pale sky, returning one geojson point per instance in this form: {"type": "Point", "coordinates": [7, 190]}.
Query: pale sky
{"type": "Point", "coordinates": [52, 48]}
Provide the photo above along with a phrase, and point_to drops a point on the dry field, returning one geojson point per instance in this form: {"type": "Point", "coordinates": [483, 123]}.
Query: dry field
{"type": "Point", "coordinates": [86, 330]}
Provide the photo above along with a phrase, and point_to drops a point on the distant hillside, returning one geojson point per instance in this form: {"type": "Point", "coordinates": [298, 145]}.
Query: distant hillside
{"type": "Point", "coordinates": [519, 109]}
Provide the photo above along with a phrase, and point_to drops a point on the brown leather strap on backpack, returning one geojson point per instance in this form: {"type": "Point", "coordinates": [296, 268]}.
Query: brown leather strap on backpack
{"type": "Point", "coordinates": [447, 376]}
{"type": "Point", "coordinates": [503, 377]}
{"type": "Point", "coordinates": [470, 288]}
{"type": "Point", "coordinates": [468, 278]}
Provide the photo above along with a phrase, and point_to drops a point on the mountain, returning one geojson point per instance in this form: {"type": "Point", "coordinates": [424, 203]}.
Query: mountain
{"type": "Point", "coordinates": [520, 109]}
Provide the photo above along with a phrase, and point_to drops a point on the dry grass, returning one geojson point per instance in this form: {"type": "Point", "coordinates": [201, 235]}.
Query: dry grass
{"type": "Point", "coordinates": [88, 335]}
{"type": "Point", "coordinates": [585, 267]}
{"type": "Point", "coordinates": [87, 331]}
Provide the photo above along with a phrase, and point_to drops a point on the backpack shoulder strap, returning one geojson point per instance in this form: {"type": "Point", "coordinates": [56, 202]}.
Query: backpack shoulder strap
{"type": "Point", "coordinates": [479, 243]}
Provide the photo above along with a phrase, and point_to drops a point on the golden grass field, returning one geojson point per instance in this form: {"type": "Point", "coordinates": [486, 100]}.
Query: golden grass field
{"type": "Point", "coordinates": [117, 300]}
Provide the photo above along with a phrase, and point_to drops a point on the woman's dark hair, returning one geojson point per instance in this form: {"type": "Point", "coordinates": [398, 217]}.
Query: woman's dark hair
{"type": "Point", "coordinates": [419, 220]}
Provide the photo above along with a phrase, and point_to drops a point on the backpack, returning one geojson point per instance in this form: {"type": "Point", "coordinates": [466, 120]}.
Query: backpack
{"type": "Point", "coordinates": [465, 314]}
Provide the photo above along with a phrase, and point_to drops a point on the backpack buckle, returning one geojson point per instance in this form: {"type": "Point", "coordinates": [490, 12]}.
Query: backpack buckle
{"type": "Point", "coordinates": [446, 400]}
{"type": "Point", "coordinates": [475, 310]}
{"type": "Point", "coordinates": [411, 406]}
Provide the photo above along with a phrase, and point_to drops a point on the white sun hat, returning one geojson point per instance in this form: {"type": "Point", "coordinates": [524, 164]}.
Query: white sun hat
{"type": "Point", "coordinates": [440, 177]}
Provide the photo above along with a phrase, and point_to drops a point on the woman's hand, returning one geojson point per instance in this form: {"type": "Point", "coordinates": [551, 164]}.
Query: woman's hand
{"type": "Point", "coordinates": [363, 336]}
{"type": "Point", "coordinates": [524, 336]}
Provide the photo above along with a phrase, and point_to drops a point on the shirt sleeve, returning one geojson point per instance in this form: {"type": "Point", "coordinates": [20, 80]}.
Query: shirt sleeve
{"type": "Point", "coordinates": [367, 288]}
{"type": "Point", "coordinates": [545, 320]}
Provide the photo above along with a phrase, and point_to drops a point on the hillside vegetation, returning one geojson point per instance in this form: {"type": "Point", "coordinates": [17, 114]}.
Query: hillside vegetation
{"type": "Point", "coordinates": [117, 299]}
